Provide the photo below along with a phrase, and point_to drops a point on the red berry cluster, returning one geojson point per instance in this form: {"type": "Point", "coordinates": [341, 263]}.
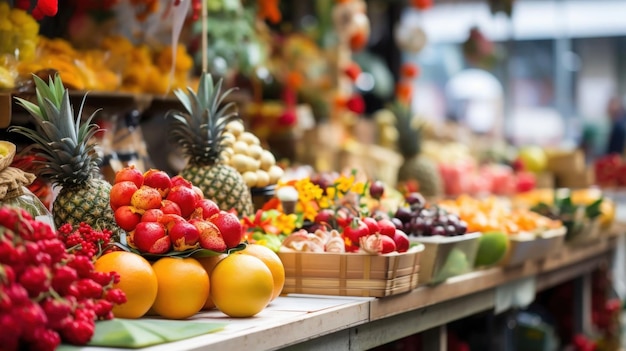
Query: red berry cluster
{"type": "Point", "coordinates": [85, 241]}
{"type": "Point", "coordinates": [47, 295]}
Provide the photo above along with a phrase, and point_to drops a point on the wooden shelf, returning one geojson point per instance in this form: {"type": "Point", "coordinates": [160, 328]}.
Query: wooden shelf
{"type": "Point", "coordinates": [298, 322]}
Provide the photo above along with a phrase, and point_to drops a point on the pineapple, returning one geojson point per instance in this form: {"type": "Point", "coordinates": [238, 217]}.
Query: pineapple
{"type": "Point", "coordinates": [416, 166]}
{"type": "Point", "coordinates": [199, 132]}
{"type": "Point", "coordinates": [68, 159]}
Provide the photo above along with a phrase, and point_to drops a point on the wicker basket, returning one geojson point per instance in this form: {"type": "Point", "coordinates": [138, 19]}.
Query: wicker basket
{"type": "Point", "coordinates": [351, 274]}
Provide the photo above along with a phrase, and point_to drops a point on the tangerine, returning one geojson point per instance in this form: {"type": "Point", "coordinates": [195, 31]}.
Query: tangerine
{"type": "Point", "coordinates": [183, 287]}
{"type": "Point", "coordinates": [137, 280]}
{"type": "Point", "coordinates": [241, 285]}
{"type": "Point", "coordinates": [209, 263]}
{"type": "Point", "coordinates": [272, 261]}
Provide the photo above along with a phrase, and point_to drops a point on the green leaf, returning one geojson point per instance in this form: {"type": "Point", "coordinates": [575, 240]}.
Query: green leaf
{"type": "Point", "coordinates": [594, 209]}
{"type": "Point", "coordinates": [199, 252]}
{"type": "Point", "coordinates": [137, 333]}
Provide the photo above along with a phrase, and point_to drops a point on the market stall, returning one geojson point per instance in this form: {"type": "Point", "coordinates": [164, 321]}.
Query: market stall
{"type": "Point", "coordinates": [232, 187]}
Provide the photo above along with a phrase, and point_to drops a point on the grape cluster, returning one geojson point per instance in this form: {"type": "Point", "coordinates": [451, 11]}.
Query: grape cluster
{"type": "Point", "coordinates": [48, 295]}
{"type": "Point", "coordinates": [417, 219]}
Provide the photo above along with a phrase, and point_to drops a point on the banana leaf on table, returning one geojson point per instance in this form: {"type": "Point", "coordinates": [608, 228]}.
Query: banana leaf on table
{"type": "Point", "coordinates": [138, 333]}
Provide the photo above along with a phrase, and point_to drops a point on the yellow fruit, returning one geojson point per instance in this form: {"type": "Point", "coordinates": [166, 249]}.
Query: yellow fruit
{"type": "Point", "coordinates": [242, 285]}
{"type": "Point", "coordinates": [137, 280]}
{"type": "Point", "coordinates": [183, 287]}
{"type": "Point", "coordinates": [272, 261]}
{"type": "Point", "coordinates": [534, 158]}
{"type": "Point", "coordinates": [208, 263]}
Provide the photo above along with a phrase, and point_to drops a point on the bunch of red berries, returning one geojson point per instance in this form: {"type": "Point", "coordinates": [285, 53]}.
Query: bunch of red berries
{"type": "Point", "coordinates": [47, 295]}
{"type": "Point", "coordinates": [85, 241]}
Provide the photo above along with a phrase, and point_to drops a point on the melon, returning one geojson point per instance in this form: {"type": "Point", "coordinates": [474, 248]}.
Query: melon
{"type": "Point", "coordinates": [492, 248]}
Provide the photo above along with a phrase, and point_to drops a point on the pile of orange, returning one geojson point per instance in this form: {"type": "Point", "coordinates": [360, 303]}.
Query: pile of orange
{"type": "Point", "coordinates": [178, 288]}
{"type": "Point", "coordinates": [492, 214]}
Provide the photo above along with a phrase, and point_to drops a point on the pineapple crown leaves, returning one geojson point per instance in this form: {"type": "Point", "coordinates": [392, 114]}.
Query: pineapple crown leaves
{"type": "Point", "coordinates": [198, 130]}
{"type": "Point", "coordinates": [409, 132]}
{"type": "Point", "coordinates": [62, 140]}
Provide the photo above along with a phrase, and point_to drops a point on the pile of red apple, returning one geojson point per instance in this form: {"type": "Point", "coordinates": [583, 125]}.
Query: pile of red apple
{"type": "Point", "coordinates": [161, 214]}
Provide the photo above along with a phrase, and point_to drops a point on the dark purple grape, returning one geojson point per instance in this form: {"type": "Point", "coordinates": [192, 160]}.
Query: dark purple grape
{"type": "Point", "coordinates": [417, 225]}
{"type": "Point", "coordinates": [377, 189]}
{"type": "Point", "coordinates": [415, 198]}
{"type": "Point", "coordinates": [425, 213]}
{"type": "Point", "coordinates": [407, 227]}
{"type": "Point", "coordinates": [438, 230]}
{"type": "Point", "coordinates": [453, 219]}
{"type": "Point", "coordinates": [442, 220]}
{"type": "Point", "coordinates": [398, 223]}
{"type": "Point", "coordinates": [461, 228]}
{"type": "Point", "coordinates": [415, 208]}
{"type": "Point", "coordinates": [451, 230]}
{"type": "Point", "coordinates": [403, 214]}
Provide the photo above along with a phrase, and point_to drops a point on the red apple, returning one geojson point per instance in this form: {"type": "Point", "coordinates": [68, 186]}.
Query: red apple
{"type": "Point", "coordinates": [210, 236]}
{"type": "Point", "coordinates": [170, 207]}
{"type": "Point", "coordinates": [121, 194]}
{"type": "Point", "coordinates": [387, 227]}
{"type": "Point", "coordinates": [168, 220]}
{"type": "Point", "coordinates": [151, 237]}
{"type": "Point", "coordinates": [372, 225]}
{"type": "Point", "coordinates": [199, 193]}
{"type": "Point", "coordinates": [130, 174]}
{"type": "Point", "coordinates": [146, 198]}
{"type": "Point", "coordinates": [388, 244]}
{"type": "Point", "coordinates": [402, 241]}
{"type": "Point", "coordinates": [324, 216]}
{"type": "Point", "coordinates": [209, 208]}
{"type": "Point", "coordinates": [185, 198]}
{"type": "Point", "coordinates": [158, 180]}
{"type": "Point", "coordinates": [184, 235]}
{"type": "Point", "coordinates": [230, 227]}
{"type": "Point", "coordinates": [127, 218]}
{"type": "Point", "coordinates": [179, 180]}
{"type": "Point", "coordinates": [152, 215]}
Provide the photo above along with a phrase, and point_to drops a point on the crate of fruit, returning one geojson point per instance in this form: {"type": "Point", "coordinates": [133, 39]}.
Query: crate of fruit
{"type": "Point", "coordinates": [525, 247]}
{"type": "Point", "coordinates": [351, 273]}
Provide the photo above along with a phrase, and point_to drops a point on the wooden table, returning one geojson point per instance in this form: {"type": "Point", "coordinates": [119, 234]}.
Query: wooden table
{"type": "Point", "coordinates": [299, 322]}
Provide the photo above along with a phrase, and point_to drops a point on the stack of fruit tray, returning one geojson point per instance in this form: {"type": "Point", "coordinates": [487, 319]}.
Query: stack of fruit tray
{"type": "Point", "coordinates": [525, 247]}
{"type": "Point", "coordinates": [351, 274]}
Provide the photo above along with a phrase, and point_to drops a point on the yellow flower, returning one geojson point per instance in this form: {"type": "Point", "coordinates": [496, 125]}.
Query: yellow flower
{"type": "Point", "coordinates": [331, 192]}
{"type": "Point", "coordinates": [325, 202]}
{"type": "Point", "coordinates": [344, 184]}
{"type": "Point", "coordinates": [286, 223]}
{"type": "Point", "coordinates": [358, 188]}
{"type": "Point", "coordinates": [309, 212]}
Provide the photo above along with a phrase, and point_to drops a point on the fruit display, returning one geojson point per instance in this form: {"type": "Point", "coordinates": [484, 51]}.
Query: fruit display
{"type": "Point", "coordinates": [418, 219]}
{"type": "Point", "coordinates": [48, 294]}
{"type": "Point", "coordinates": [161, 214]}
{"type": "Point", "coordinates": [199, 131]}
{"type": "Point", "coordinates": [492, 214]}
{"type": "Point", "coordinates": [244, 152]}
{"type": "Point", "coordinates": [69, 159]}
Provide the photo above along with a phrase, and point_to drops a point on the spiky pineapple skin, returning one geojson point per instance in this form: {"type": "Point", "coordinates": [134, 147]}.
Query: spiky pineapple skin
{"type": "Point", "coordinates": [222, 184]}
{"type": "Point", "coordinates": [88, 202]}
{"type": "Point", "coordinates": [425, 172]}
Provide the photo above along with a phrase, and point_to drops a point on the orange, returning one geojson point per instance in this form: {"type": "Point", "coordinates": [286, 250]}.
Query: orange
{"type": "Point", "coordinates": [183, 287]}
{"type": "Point", "coordinates": [208, 263]}
{"type": "Point", "coordinates": [272, 261]}
{"type": "Point", "coordinates": [137, 280]}
{"type": "Point", "coordinates": [241, 285]}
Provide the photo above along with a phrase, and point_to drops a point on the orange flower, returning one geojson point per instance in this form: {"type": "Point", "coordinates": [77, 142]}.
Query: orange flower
{"type": "Point", "coordinates": [410, 70]}
{"type": "Point", "coordinates": [404, 91]}
{"type": "Point", "coordinates": [294, 80]}
{"type": "Point", "coordinates": [268, 9]}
